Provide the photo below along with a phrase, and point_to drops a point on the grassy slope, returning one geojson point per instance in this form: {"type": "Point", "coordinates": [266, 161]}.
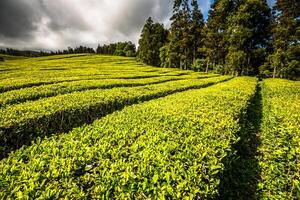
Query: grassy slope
{"type": "Point", "coordinates": [94, 83]}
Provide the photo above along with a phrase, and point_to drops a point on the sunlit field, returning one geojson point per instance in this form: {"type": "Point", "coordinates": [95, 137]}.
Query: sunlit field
{"type": "Point", "coordinates": [85, 126]}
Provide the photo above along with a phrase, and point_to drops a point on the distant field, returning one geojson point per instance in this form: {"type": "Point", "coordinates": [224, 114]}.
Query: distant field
{"type": "Point", "coordinates": [101, 127]}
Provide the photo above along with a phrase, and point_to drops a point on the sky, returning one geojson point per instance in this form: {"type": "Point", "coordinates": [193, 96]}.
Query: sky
{"type": "Point", "coordinates": [58, 24]}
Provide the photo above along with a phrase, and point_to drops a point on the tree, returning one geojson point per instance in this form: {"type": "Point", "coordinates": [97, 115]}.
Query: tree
{"type": "Point", "coordinates": [235, 60]}
{"type": "Point", "coordinates": [119, 49]}
{"type": "Point", "coordinates": [247, 33]}
{"type": "Point", "coordinates": [111, 48]}
{"type": "Point", "coordinates": [175, 35]}
{"type": "Point", "coordinates": [215, 44]}
{"type": "Point", "coordinates": [180, 39]}
{"type": "Point", "coordinates": [164, 56]}
{"type": "Point", "coordinates": [99, 49]}
{"type": "Point", "coordinates": [158, 40]}
{"type": "Point", "coordinates": [130, 49]}
{"type": "Point", "coordinates": [196, 30]}
{"type": "Point", "coordinates": [70, 50]}
{"type": "Point", "coordinates": [145, 51]}
{"type": "Point", "coordinates": [185, 41]}
{"type": "Point", "coordinates": [153, 37]}
{"type": "Point", "coordinates": [285, 60]}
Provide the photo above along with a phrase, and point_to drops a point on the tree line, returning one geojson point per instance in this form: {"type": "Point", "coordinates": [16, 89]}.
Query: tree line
{"type": "Point", "coordinates": [240, 37]}
{"type": "Point", "coordinates": [26, 53]}
{"type": "Point", "coordinates": [29, 53]}
{"type": "Point", "coordinates": [127, 49]}
{"type": "Point", "coordinates": [119, 49]}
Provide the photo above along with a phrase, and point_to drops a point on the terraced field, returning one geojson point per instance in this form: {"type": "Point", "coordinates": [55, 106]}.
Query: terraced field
{"type": "Point", "coordinates": [100, 127]}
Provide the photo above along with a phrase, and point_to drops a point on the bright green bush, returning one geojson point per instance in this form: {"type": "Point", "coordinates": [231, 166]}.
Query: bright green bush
{"type": "Point", "coordinates": [19, 83]}
{"type": "Point", "coordinates": [199, 65]}
{"type": "Point", "coordinates": [170, 147]}
{"type": "Point", "coordinates": [280, 140]}
{"type": "Point", "coordinates": [37, 92]}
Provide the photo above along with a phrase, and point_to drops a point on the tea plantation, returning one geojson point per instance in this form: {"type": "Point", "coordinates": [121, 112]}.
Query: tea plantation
{"type": "Point", "coordinates": [101, 127]}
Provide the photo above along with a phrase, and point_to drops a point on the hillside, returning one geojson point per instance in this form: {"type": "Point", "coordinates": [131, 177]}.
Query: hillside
{"type": "Point", "coordinates": [86, 126]}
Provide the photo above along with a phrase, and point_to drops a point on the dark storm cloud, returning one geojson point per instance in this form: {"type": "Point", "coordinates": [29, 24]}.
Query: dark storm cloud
{"type": "Point", "coordinates": [132, 16]}
{"type": "Point", "coordinates": [17, 19]}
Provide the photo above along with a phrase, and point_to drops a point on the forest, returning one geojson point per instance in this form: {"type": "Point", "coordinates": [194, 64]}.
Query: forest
{"type": "Point", "coordinates": [239, 38]}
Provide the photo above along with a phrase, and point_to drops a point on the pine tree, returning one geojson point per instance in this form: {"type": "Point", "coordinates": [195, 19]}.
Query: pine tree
{"type": "Point", "coordinates": [175, 35]}
{"type": "Point", "coordinates": [130, 49]}
{"type": "Point", "coordinates": [247, 33]}
{"type": "Point", "coordinates": [144, 51]}
{"type": "Point", "coordinates": [158, 40]}
{"type": "Point", "coordinates": [164, 56]}
{"type": "Point", "coordinates": [153, 37]}
{"type": "Point", "coordinates": [196, 30]}
{"type": "Point", "coordinates": [285, 59]}
{"type": "Point", "coordinates": [215, 44]}
{"type": "Point", "coordinates": [180, 39]}
{"type": "Point", "coordinates": [185, 41]}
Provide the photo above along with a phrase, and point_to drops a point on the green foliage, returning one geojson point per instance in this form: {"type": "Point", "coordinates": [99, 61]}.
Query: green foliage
{"type": "Point", "coordinates": [175, 146]}
{"type": "Point", "coordinates": [127, 49]}
{"type": "Point", "coordinates": [59, 77]}
{"type": "Point", "coordinates": [199, 65]}
{"type": "Point", "coordinates": [264, 70]}
{"type": "Point", "coordinates": [215, 42]}
{"type": "Point", "coordinates": [196, 30]}
{"type": "Point", "coordinates": [235, 61]}
{"type": "Point", "coordinates": [284, 61]}
{"type": "Point", "coordinates": [164, 56]}
{"type": "Point", "coordinates": [120, 49]}
{"type": "Point", "coordinates": [169, 148]}
{"type": "Point", "coordinates": [247, 33]}
{"type": "Point", "coordinates": [185, 34]}
{"type": "Point", "coordinates": [130, 50]}
{"type": "Point", "coordinates": [153, 37]}
{"type": "Point", "coordinates": [280, 136]}
{"type": "Point", "coordinates": [219, 69]}
{"type": "Point", "coordinates": [57, 69]}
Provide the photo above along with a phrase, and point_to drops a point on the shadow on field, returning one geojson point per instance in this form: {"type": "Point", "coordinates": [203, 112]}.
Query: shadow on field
{"type": "Point", "coordinates": [240, 177]}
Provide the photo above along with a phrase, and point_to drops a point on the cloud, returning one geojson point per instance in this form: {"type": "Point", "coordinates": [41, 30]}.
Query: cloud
{"type": "Point", "coordinates": [45, 24]}
{"type": "Point", "coordinates": [17, 19]}
{"type": "Point", "coordinates": [54, 24]}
